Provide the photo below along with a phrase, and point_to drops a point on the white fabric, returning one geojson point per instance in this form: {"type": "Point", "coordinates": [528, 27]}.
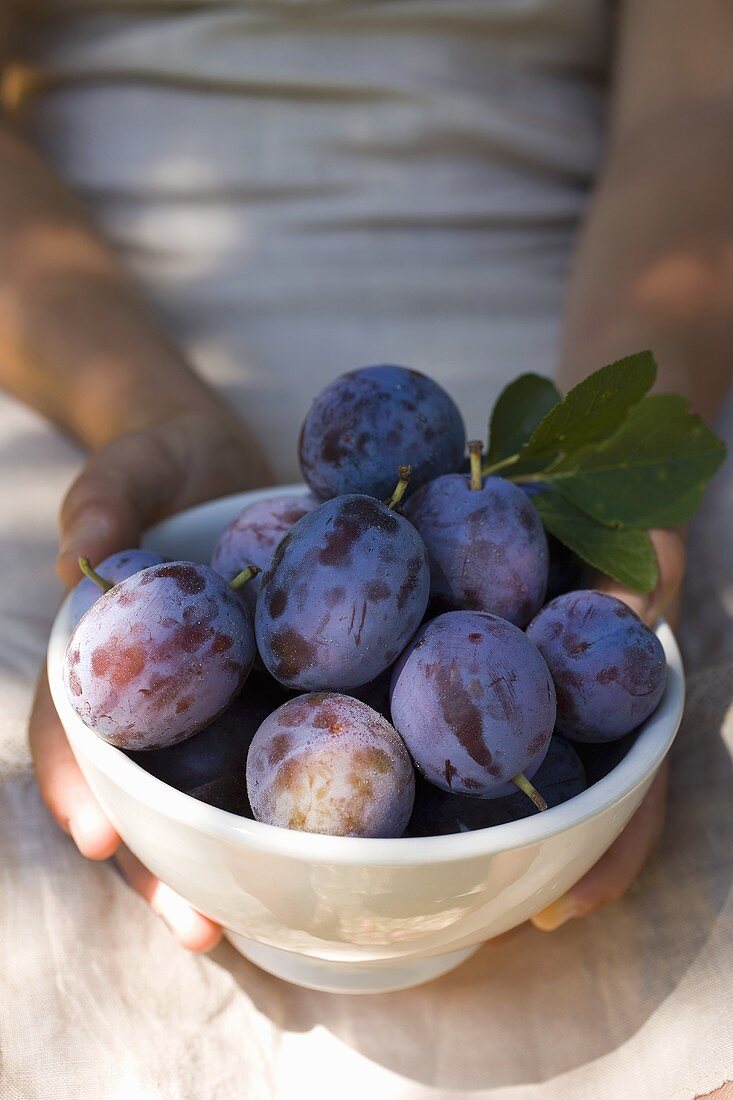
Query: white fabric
{"type": "Point", "coordinates": [303, 187]}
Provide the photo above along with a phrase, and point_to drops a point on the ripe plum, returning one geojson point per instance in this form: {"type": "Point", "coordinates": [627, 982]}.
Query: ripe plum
{"type": "Point", "coordinates": [609, 668]}
{"type": "Point", "coordinates": [474, 702]}
{"type": "Point", "coordinates": [159, 656]}
{"type": "Point", "coordinates": [367, 422]}
{"type": "Point", "coordinates": [328, 763]}
{"type": "Point", "coordinates": [343, 594]}
{"type": "Point", "coordinates": [254, 533]}
{"type": "Point", "coordinates": [117, 567]}
{"type": "Point", "coordinates": [486, 545]}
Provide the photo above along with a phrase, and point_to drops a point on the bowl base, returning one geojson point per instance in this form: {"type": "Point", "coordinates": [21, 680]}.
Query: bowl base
{"type": "Point", "coordinates": [340, 977]}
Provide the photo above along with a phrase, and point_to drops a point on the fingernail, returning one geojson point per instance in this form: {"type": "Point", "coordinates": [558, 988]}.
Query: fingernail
{"type": "Point", "coordinates": [81, 537]}
{"type": "Point", "coordinates": [192, 931]}
{"type": "Point", "coordinates": [85, 826]}
{"type": "Point", "coordinates": [84, 528]}
{"type": "Point", "coordinates": [555, 915]}
{"type": "Point", "coordinates": [173, 910]}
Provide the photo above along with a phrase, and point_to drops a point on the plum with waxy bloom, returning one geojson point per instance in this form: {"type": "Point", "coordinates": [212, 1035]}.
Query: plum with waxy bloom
{"type": "Point", "coordinates": [366, 423]}
{"type": "Point", "coordinates": [487, 546]}
{"type": "Point", "coordinates": [474, 702]}
{"type": "Point", "coordinates": [117, 567]}
{"type": "Point", "coordinates": [328, 763]}
{"type": "Point", "coordinates": [609, 668]}
{"type": "Point", "coordinates": [159, 656]}
{"type": "Point", "coordinates": [343, 594]}
{"type": "Point", "coordinates": [253, 535]}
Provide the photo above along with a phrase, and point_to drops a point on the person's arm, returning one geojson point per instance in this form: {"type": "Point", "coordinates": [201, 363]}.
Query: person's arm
{"type": "Point", "coordinates": [78, 343]}
{"type": "Point", "coordinates": [654, 269]}
{"type": "Point", "coordinates": [654, 264]}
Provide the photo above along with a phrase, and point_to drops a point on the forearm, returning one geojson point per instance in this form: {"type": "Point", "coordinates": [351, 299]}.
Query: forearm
{"type": "Point", "coordinates": [654, 266]}
{"type": "Point", "coordinates": [77, 341]}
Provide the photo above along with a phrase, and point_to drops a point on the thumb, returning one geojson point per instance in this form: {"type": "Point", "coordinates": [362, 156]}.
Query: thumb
{"type": "Point", "coordinates": [117, 494]}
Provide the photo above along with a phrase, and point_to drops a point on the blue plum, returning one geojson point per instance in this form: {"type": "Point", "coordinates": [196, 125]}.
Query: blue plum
{"type": "Point", "coordinates": [328, 763]}
{"type": "Point", "coordinates": [474, 702]}
{"type": "Point", "coordinates": [609, 668]}
{"type": "Point", "coordinates": [601, 757]}
{"type": "Point", "coordinates": [251, 537]}
{"type": "Point", "coordinates": [117, 567]}
{"type": "Point", "coordinates": [487, 546]}
{"type": "Point", "coordinates": [368, 422]}
{"type": "Point", "coordinates": [159, 656]}
{"type": "Point", "coordinates": [211, 764]}
{"type": "Point", "coordinates": [343, 594]}
{"type": "Point", "coordinates": [558, 778]}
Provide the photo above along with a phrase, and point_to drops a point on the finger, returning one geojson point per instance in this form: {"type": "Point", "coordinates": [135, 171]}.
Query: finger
{"type": "Point", "coordinates": [725, 1092]}
{"type": "Point", "coordinates": [609, 879]}
{"type": "Point", "coordinates": [114, 497]}
{"type": "Point", "coordinates": [63, 787]}
{"type": "Point", "coordinates": [191, 929]}
{"type": "Point", "coordinates": [670, 550]}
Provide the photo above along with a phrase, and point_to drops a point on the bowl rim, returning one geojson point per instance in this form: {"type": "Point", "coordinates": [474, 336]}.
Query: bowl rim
{"type": "Point", "coordinates": [643, 758]}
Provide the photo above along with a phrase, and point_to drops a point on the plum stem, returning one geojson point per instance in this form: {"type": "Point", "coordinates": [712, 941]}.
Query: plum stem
{"type": "Point", "coordinates": [246, 575]}
{"type": "Point", "coordinates": [475, 450]}
{"type": "Point", "coordinates": [86, 567]}
{"type": "Point", "coordinates": [404, 473]}
{"type": "Point", "coordinates": [531, 792]}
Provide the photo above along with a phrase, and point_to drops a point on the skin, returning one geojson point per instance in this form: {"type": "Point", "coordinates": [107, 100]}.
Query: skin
{"type": "Point", "coordinates": [653, 269]}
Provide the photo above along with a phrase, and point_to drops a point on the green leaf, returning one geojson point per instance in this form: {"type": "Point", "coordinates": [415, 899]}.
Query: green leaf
{"type": "Point", "coordinates": [651, 472]}
{"type": "Point", "coordinates": [518, 410]}
{"type": "Point", "coordinates": [591, 411]}
{"type": "Point", "coordinates": [625, 554]}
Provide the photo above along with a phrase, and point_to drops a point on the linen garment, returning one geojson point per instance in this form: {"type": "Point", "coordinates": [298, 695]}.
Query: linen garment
{"type": "Point", "coordinates": [307, 187]}
{"type": "Point", "coordinates": [301, 188]}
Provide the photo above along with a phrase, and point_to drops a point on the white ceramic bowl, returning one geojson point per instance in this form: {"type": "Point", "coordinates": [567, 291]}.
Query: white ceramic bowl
{"type": "Point", "coordinates": [345, 914]}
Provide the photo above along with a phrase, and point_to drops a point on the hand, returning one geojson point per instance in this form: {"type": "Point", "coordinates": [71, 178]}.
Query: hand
{"type": "Point", "coordinates": [611, 877]}
{"type": "Point", "coordinates": [138, 478]}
